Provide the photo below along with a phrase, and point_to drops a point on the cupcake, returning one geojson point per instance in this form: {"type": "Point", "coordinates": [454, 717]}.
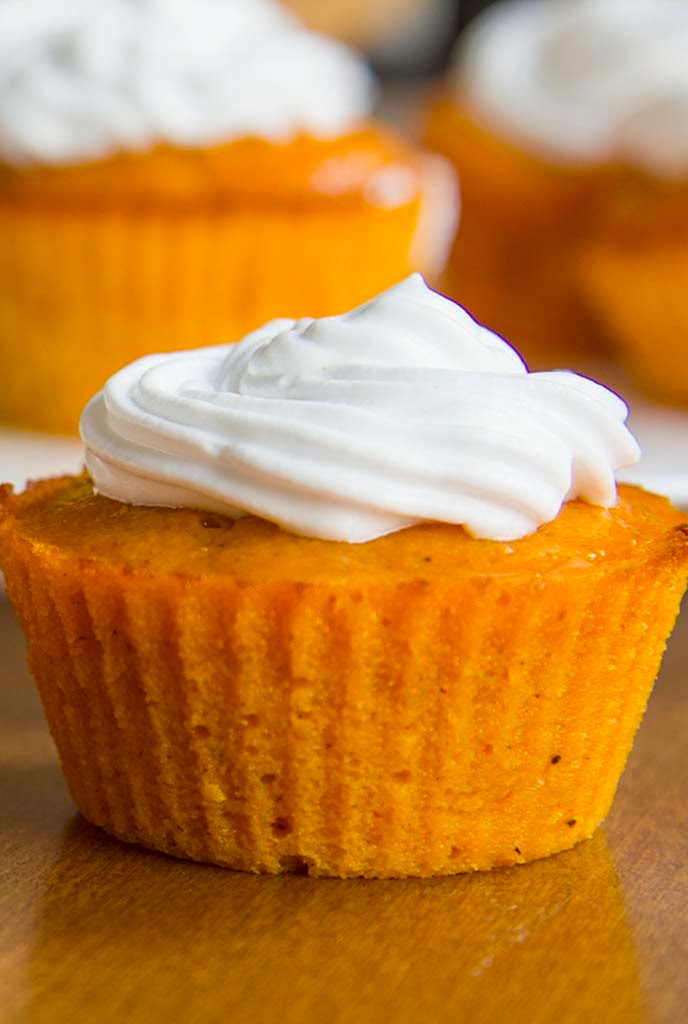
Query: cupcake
{"type": "Point", "coordinates": [176, 173]}
{"type": "Point", "coordinates": [634, 276]}
{"type": "Point", "coordinates": [356, 597]}
{"type": "Point", "coordinates": [558, 112]}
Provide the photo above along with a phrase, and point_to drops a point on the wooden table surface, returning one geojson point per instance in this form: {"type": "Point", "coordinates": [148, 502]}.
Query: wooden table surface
{"type": "Point", "coordinates": [94, 930]}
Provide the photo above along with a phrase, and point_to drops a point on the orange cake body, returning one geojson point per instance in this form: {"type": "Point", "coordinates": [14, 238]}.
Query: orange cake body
{"type": "Point", "coordinates": [515, 258]}
{"type": "Point", "coordinates": [103, 262]}
{"type": "Point", "coordinates": [422, 704]}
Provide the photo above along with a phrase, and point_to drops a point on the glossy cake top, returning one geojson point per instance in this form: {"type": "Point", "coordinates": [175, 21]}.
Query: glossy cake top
{"type": "Point", "coordinates": [65, 519]}
{"type": "Point", "coordinates": [369, 164]}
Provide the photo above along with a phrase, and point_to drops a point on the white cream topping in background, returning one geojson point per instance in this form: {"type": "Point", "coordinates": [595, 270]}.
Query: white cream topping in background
{"type": "Point", "coordinates": [350, 427]}
{"type": "Point", "coordinates": [81, 79]}
{"type": "Point", "coordinates": [584, 80]}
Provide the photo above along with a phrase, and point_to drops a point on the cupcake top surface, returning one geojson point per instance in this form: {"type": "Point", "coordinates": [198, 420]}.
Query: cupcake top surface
{"type": "Point", "coordinates": [82, 80]}
{"type": "Point", "coordinates": [583, 81]}
{"type": "Point", "coordinates": [65, 519]}
{"type": "Point", "coordinates": [351, 427]}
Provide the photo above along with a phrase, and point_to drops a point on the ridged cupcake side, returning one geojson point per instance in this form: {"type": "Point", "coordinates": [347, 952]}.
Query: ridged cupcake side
{"type": "Point", "coordinates": [360, 728]}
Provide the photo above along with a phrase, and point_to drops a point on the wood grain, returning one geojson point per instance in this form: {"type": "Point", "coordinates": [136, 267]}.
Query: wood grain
{"type": "Point", "coordinates": [93, 930]}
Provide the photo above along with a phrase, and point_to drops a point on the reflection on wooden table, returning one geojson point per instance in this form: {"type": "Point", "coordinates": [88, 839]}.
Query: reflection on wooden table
{"type": "Point", "coordinates": [93, 929]}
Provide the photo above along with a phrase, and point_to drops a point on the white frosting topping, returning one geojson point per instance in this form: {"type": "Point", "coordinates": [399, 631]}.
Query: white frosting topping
{"type": "Point", "coordinates": [351, 427]}
{"type": "Point", "coordinates": [584, 80]}
{"type": "Point", "coordinates": [80, 80]}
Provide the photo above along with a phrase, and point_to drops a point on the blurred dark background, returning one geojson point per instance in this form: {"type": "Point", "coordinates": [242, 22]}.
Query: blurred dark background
{"type": "Point", "coordinates": [466, 9]}
{"type": "Point", "coordinates": [424, 43]}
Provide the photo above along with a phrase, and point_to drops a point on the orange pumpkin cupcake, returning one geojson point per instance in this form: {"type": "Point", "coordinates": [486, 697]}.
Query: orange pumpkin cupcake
{"type": "Point", "coordinates": [181, 173]}
{"type": "Point", "coordinates": [553, 111]}
{"type": "Point", "coordinates": [634, 275]}
{"type": "Point", "coordinates": [514, 262]}
{"type": "Point", "coordinates": [368, 639]}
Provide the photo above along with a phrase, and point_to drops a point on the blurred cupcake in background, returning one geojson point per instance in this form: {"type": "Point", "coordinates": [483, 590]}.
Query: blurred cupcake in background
{"type": "Point", "coordinates": [568, 120]}
{"type": "Point", "coordinates": [359, 22]}
{"type": "Point", "coordinates": [635, 270]}
{"type": "Point", "coordinates": [176, 171]}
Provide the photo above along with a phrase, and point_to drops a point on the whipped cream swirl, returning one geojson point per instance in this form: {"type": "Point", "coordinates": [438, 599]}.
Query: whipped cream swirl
{"type": "Point", "coordinates": [80, 80]}
{"type": "Point", "coordinates": [351, 427]}
{"type": "Point", "coordinates": [584, 80]}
